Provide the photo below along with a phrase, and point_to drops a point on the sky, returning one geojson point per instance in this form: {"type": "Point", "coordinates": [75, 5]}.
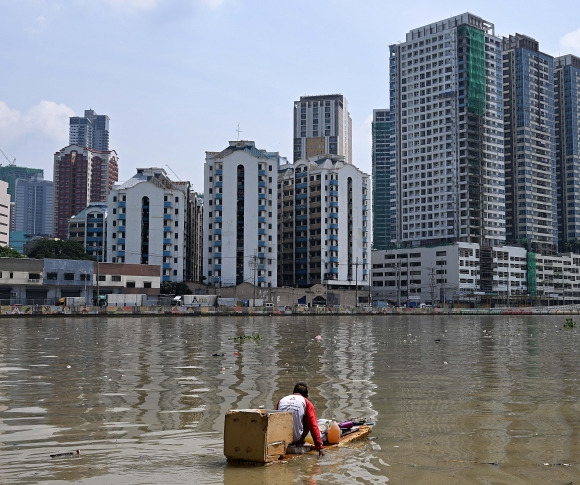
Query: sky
{"type": "Point", "coordinates": [180, 77]}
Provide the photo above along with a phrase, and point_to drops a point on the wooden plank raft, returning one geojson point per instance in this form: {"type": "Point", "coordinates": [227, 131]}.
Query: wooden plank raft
{"type": "Point", "coordinates": [362, 432]}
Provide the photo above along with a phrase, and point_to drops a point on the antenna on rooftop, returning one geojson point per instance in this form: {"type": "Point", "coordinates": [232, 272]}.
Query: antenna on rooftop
{"type": "Point", "coordinates": [239, 131]}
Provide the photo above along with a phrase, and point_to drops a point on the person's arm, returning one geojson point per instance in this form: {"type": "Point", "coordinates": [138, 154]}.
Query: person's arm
{"type": "Point", "coordinates": [311, 423]}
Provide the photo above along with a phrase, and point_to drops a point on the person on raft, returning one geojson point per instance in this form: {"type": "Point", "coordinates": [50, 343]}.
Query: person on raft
{"type": "Point", "coordinates": [303, 414]}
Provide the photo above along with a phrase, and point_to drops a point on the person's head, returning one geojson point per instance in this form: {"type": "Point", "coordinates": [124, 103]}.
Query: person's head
{"type": "Point", "coordinates": [301, 388]}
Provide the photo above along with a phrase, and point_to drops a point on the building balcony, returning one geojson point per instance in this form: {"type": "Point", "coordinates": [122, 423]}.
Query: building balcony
{"type": "Point", "coordinates": [219, 207]}
{"type": "Point", "coordinates": [167, 204]}
{"type": "Point", "coordinates": [121, 240]}
{"type": "Point", "coordinates": [167, 228]}
{"type": "Point", "coordinates": [121, 229]}
{"type": "Point", "coordinates": [217, 231]}
{"type": "Point", "coordinates": [261, 244]}
{"type": "Point", "coordinates": [166, 253]}
{"type": "Point", "coordinates": [217, 244]}
{"type": "Point", "coordinates": [165, 278]}
{"type": "Point", "coordinates": [166, 217]}
{"type": "Point", "coordinates": [219, 171]}
{"type": "Point", "coordinates": [166, 241]}
{"type": "Point", "coordinates": [121, 253]}
{"type": "Point", "coordinates": [166, 265]}
{"type": "Point", "coordinates": [122, 217]}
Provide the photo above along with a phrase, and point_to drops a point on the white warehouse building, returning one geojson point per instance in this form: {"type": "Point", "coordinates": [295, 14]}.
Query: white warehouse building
{"type": "Point", "coordinates": [447, 273]}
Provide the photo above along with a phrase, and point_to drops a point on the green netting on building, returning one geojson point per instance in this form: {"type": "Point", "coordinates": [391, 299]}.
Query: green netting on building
{"type": "Point", "coordinates": [531, 276]}
{"type": "Point", "coordinates": [476, 70]}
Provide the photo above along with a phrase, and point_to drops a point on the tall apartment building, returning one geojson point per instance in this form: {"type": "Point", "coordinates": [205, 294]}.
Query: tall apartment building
{"type": "Point", "coordinates": [323, 224]}
{"type": "Point", "coordinates": [33, 205]}
{"type": "Point", "coordinates": [89, 228]}
{"type": "Point", "coordinates": [240, 215]}
{"type": "Point", "coordinates": [89, 131]}
{"type": "Point", "coordinates": [81, 175]}
{"type": "Point", "coordinates": [11, 173]}
{"type": "Point", "coordinates": [530, 151]}
{"type": "Point", "coordinates": [447, 177]}
{"type": "Point", "coordinates": [567, 114]}
{"type": "Point", "coordinates": [4, 214]}
{"type": "Point", "coordinates": [147, 223]}
{"type": "Point", "coordinates": [322, 126]}
{"type": "Point", "coordinates": [381, 165]}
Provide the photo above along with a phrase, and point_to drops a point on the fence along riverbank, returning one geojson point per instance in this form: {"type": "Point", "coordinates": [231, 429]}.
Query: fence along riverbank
{"type": "Point", "coordinates": [87, 310]}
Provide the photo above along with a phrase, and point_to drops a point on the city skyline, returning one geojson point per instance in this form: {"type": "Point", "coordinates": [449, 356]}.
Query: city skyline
{"type": "Point", "coordinates": [200, 76]}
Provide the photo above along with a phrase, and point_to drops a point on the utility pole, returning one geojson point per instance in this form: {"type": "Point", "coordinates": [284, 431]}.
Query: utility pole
{"type": "Point", "coordinates": [432, 286]}
{"type": "Point", "coordinates": [254, 267]}
{"type": "Point", "coordinates": [356, 283]}
{"type": "Point", "coordinates": [398, 269]}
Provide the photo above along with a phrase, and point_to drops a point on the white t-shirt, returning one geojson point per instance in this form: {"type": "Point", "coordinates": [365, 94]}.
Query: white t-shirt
{"type": "Point", "coordinates": [296, 404]}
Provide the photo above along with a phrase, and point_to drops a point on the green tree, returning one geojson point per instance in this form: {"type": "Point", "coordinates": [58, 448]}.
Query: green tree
{"type": "Point", "coordinates": [174, 288]}
{"type": "Point", "coordinates": [57, 249]}
{"type": "Point", "coordinates": [6, 252]}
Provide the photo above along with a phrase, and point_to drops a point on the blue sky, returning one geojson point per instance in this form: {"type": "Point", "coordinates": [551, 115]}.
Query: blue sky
{"type": "Point", "coordinates": [176, 77]}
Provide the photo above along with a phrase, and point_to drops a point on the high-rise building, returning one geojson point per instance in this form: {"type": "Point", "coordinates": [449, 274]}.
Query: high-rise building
{"type": "Point", "coordinates": [4, 214]}
{"type": "Point", "coordinates": [33, 206]}
{"type": "Point", "coordinates": [89, 131]}
{"type": "Point", "coordinates": [530, 151]}
{"type": "Point", "coordinates": [447, 175]}
{"type": "Point", "coordinates": [323, 224]}
{"type": "Point", "coordinates": [10, 173]}
{"type": "Point", "coordinates": [147, 223]}
{"type": "Point", "coordinates": [567, 109]}
{"type": "Point", "coordinates": [240, 215]}
{"type": "Point", "coordinates": [381, 159]}
{"type": "Point", "coordinates": [81, 175]}
{"type": "Point", "coordinates": [322, 126]}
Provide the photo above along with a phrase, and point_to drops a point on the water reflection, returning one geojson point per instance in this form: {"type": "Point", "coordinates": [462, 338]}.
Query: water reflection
{"type": "Point", "coordinates": [455, 399]}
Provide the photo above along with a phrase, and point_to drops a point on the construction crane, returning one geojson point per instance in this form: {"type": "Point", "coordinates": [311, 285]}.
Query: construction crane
{"type": "Point", "coordinates": [172, 172]}
{"type": "Point", "coordinates": [10, 162]}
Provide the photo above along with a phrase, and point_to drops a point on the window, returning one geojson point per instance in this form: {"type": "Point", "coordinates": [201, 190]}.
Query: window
{"type": "Point", "coordinates": [85, 277]}
{"type": "Point", "coordinates": [147, 284]}
{"type": "Point", "coordinates": [130, 284]}
{"type": "Point", "coordinates": [69, 276]}
{"type": "Point", "coordinates": [51, 276]}
{"type": "Point", "coordinates": [102, 277]}
{"type": "Point", "coordinates": [115, 277]}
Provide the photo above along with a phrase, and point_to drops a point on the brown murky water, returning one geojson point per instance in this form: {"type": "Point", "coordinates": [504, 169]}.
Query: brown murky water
{"type": "Point", "coordinates": [467, 399]}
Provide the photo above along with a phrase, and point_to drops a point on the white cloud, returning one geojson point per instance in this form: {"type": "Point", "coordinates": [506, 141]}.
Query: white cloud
{"type": "Point", "coordinates": [134, 4]}
{"type": "Point", "coordinates": [570, 43]}
{"type": "Point", "coordinates": [46, 119]}
{"type": "Point", "coordinates": [154, 4]}
{"type": "Point", "coordinates": [37, 25]}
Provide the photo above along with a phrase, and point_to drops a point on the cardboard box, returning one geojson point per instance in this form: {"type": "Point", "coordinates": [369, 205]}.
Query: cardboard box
{"type": "Point", "coordinates": [257, 435]}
